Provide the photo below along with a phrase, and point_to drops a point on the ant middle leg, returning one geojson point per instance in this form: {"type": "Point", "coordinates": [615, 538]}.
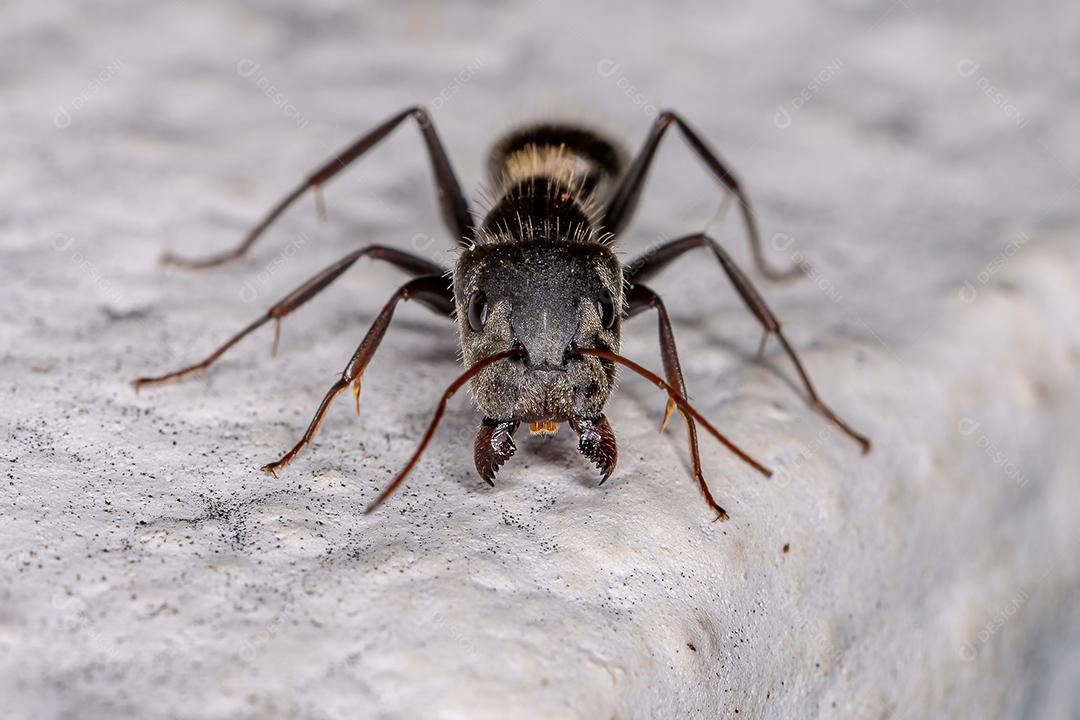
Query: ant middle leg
{"type": "Point", "coordinates": [452, 202]}
{"type": "Point", "coordinates": [412, 264]}
{"type": "Point", "coordinates": [649, 264]}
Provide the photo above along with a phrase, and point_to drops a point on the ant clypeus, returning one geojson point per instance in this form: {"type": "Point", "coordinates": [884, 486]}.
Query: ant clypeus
{"type": "Point", "coordinates": [537, 291]}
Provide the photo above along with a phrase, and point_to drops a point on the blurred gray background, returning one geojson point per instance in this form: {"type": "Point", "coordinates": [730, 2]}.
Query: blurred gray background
{"type": "Point", "coordinates": [150, 570]}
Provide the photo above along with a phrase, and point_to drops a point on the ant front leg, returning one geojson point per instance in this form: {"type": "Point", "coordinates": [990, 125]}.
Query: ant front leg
{"type": "Point", "coordinates": [625, 199]}
{"type": "Point", "coordinates": [640, 298]}
{"type": "Point", "coordinates": [649, 264]}
{"type": "Point", "coordinates": [452, 202]}
{"type": "Point", "coordinates": [431, 289]}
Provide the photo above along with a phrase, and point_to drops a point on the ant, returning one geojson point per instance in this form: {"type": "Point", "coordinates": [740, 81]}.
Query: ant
{"type": "Point", "coordinates": [537, 291]}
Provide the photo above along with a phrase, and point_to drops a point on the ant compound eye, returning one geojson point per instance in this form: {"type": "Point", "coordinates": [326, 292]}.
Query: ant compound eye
{"type": "Point", "coordinates": [478, 311]}
{"type": "Point", "coordinates": [605, 306]}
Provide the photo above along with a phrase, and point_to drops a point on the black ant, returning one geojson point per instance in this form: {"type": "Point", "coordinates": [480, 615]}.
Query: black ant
{"type": "Point", "coordinates": [537, 291]}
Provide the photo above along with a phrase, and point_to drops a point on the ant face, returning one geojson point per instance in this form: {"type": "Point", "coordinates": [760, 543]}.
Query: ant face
{"type": "Point", "coordinates": [543, 298]}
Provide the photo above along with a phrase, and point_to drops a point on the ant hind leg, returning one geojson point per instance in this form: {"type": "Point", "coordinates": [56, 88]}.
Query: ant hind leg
{"type": "Point", "coordinates": [452, 202]}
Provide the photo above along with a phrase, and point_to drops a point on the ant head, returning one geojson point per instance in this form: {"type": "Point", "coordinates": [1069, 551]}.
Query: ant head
{"type": "Point", "coordinates": [541, 297]}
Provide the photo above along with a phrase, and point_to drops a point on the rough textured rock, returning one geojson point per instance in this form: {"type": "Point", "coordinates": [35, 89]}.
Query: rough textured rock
{"type": "Point", "coordinates": [918, 155]}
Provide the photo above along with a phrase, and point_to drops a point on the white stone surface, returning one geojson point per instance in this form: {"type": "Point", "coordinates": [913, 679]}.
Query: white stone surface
{"type": "Point", "coordinates": [148, 569]}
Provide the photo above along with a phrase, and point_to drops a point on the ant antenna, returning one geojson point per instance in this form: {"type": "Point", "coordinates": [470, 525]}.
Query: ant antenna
{"type": "Point", "coordinates": [454, 387]}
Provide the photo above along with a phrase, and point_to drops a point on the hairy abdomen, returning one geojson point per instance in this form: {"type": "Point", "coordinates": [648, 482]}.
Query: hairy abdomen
{"type": "Point", "coordinates": [549, 173]}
